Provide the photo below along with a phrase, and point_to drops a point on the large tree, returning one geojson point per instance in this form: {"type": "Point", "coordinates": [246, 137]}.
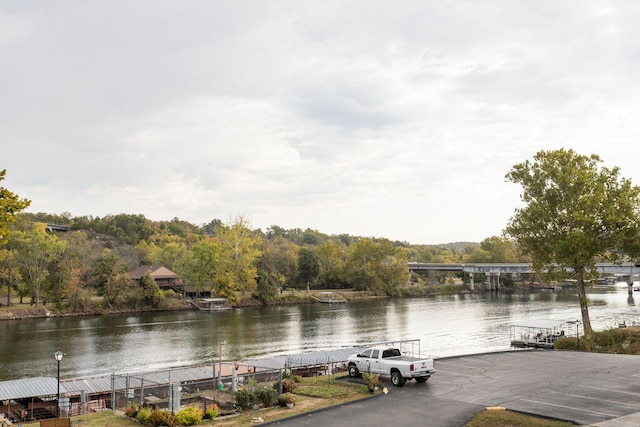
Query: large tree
{"type": "Point", "coordinates": [308, 267]}
{"type": "Point", "coordinates": [577, 212]}
{"type": "Point", "coordinates": [10, 205]}
{"type": "Point", "coordinates": [34, 251]}
{"type": "Point", "coordinates": [237, 270]}
{"type": "Point", "coordinates": [379, 267]}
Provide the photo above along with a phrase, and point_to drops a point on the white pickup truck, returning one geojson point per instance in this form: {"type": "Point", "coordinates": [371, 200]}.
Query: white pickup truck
{"type": "Point", "coordinates": [390, 363]}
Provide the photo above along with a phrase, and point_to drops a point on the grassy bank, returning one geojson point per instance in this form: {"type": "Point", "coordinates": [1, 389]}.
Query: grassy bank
{"type": "Point", "coordinates": [614, 341]}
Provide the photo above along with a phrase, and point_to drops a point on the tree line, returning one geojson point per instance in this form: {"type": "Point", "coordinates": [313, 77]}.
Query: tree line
{"type": "Point", "coordinates": [231, 260]}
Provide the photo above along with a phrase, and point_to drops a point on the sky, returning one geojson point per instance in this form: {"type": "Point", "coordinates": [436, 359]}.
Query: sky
{"type": "Point", "coordinates": [371, 118]}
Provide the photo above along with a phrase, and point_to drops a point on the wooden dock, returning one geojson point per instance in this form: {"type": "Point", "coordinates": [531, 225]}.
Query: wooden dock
{"type": "Point", "coordinates": [329, 298]}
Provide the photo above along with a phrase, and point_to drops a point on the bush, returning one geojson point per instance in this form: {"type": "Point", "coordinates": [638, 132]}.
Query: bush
{"type": "Point", "coordinates": [131, 411]}
{"type": "Point", "coordinates": [267, 396]}
{"type": "Point", "coordinates": [246, 399]}
{"type": "Point", "coordinates": [288, 386]}
{"type": "Point", "coordinates": [189, 416]}
{"type": "Point", "coordinates": [296, 378]}
{"type": "Point", "coordinates": [285, 398]}
{"type": "Point", "coordinates": [162, 417]}
{"type": "Point", "coordinates": [144, 414]}
{"type": "Point", "coordinates": [211, 411]}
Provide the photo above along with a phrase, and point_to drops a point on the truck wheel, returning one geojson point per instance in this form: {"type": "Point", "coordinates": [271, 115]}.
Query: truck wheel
{"type": "Point", "coordinates": [396, 379]}
{"type": "Point", "coordinates": [353, 371]}
{"type": "Point", "coordinates": [421, 380]}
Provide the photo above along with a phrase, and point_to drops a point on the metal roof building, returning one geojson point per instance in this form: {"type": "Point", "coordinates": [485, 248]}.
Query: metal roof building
{"type": "Point", "coordinates": [28, 387]}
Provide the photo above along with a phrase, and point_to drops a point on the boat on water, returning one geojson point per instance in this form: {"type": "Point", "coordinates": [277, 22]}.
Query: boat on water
{"type": "Point", "coordinates": [214, 304]}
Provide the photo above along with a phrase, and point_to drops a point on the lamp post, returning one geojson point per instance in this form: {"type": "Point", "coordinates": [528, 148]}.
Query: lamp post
{"type": "Point", "coordinates": [220, 367]}
{"type": "Point", "coordinates": [577, 322]}
{"type": "Point", "coordinates": [58, 356]}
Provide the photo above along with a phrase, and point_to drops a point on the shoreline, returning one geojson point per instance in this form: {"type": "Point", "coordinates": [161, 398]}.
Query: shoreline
{"type": "Point", "coordinates": [290, 298]}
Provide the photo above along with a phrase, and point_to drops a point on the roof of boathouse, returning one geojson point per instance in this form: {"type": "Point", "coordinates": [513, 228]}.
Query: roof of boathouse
{"type": "Point", "coordinates": [28, 387]}
{"type": "Point", "coordinates": [314, 358]}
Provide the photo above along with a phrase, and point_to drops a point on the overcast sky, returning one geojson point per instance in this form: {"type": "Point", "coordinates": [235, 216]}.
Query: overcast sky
{"type": "Point", "coordinates": [373, 118]}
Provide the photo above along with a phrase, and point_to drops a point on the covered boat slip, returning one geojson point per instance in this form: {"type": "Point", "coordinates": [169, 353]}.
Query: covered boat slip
{"type": "Point", "coordinates": [542, 333]}
{"type": "Point", "coordinates": [214, 304]}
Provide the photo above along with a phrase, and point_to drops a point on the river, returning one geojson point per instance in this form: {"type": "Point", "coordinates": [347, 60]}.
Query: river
{"type": "Point", "coordinates": [447, 325]}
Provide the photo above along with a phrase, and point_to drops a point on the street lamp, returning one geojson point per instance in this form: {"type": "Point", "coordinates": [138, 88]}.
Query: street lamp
{"type": "Point", "coordinates": [220, 368]}
{"type": "Point", "coordinates": [577, 322]}
{"type": "Point", "coordinates": [58, 356]}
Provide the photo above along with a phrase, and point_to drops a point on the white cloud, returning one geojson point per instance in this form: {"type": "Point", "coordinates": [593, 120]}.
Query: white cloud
{"type": "Point", "coordinates": [395, 120]}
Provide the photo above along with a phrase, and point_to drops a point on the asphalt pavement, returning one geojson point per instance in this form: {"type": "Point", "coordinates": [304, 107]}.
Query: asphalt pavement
{"type": "Point", "coordinates": [584, 388]}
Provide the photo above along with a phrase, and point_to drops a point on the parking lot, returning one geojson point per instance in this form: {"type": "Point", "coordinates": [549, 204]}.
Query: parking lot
{"type": "Point", "coordinates": [585, 388]}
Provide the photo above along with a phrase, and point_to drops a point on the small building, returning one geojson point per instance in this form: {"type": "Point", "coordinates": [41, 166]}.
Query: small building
{"type": "Point", "coordinates": [165, 278]}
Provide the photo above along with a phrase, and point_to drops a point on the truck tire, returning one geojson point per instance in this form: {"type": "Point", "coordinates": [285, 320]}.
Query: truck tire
{"type": "Point", "coordinates": [353, 371]}
{"type": "Point", "coordinates": [396, 379]}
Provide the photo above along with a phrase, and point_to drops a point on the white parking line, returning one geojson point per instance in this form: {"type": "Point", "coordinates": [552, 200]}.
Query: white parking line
{"type": "Point", "coordinates": [608, 389]}
{"type": "Point", "coordinates": [458, 374]}
{"type": "Point", "coordinates": [617, 402]}
{"type": "Point", "coordinates": [570, 407]}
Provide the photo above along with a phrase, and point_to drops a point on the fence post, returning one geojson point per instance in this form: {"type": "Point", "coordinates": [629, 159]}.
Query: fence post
{"type": "Point", "coordinates": [280, 381]}
{"type": "Point", "coordinates": [113, 390]}
{"type": "Point", "coordinates": [141, 389]}
{"type": "Point", "coordinates": [83, 402]}
{"type": "Point", "coordinates": [175, 398]}
{"type": "Point", "coordinates": [234, 379]}
{"type": "Point", "coordinates": [127, 384]}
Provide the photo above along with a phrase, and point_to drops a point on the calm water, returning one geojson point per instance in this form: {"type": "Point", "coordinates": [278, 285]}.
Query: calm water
{"type": "Point", "coordinates": [447, 325]}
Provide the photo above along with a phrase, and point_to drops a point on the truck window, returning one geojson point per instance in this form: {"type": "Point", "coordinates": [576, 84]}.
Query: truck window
{"type": "Point", "coordinates": [392, 352]}
{"type": "Point", "coordinates": [366, 353]}
{"type": "Point", "coordinates": [375, 354]}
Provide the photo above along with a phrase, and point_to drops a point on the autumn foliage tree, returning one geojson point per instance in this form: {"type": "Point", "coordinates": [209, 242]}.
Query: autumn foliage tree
{"type": "Point", "coordinates": [576, 213]}
{"type": "Point", "coordinates": [10, 205]}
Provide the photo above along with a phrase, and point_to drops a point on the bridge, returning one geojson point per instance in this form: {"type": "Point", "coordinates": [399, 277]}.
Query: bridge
{"type": "Point", "coordinates": [492, 271]}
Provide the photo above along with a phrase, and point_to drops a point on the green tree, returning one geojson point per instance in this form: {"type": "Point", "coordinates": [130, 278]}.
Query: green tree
{"type": "Point", "coordinates": [202, 260]}
{"type": "Point", "coordinates": [110, 278]}
{"type": "Point", "coordinates": [576, 213]}
{"type": "Point", "coordinates": [331, 258]}
{"type": "Point", "coordinates": [237, 270]}
{"type": "Point", "coordinates": [277, 266]}
{"type": "Point", "coordinates": [379, 267]}
{"type": "Point", "coordinates": [149, 291]}
{"type": "Point", "coordinates": [9, 272]}
{"type": "Point", "coordinates": [10, 205]}
{"type": "Point", "coordinates": [34, 251]}
{"type": "Point", "coordinates": [65, 273]}
{"type": "Point", "coordinates": [308, 267]}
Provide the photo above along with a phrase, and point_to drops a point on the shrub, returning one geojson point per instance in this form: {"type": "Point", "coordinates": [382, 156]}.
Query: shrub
{"type": "Point", "coordinates": [144, 414]}
{"type": "Point", "coordinates": [285, 398]}
{"type": "Point", "coordinates": [288, 386]}
{"type": "Point", "coordinates": [372, 380]}
{"type": "Point", "coordinates": [267, 396]}
{"type": "Point", "coordinates": [296, 378]}
{"type": "Point", "coordinates": [246, 399]}
{"type": "Point", "coordinates": [162, 417]}
{"type": "Point", "coordinates": [211, 411]}
{"type": "Point", "coordinates": [131, 411]}
{"type": "Point", "coordinates": [189, 416]}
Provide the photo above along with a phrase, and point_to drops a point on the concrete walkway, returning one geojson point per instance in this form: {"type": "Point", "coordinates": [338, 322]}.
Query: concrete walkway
{"type": "Point", "coordinates": [585, 388]}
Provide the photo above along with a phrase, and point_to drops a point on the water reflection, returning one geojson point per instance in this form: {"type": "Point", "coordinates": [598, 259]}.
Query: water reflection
{"type": "Point", "coordinates": [447, 325]}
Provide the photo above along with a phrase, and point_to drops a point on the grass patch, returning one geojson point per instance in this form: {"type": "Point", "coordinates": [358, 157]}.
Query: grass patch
{"type": "Point", "coordinates": [615, 341]}
{"type": "Point", "coordinates": [505, 418]}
